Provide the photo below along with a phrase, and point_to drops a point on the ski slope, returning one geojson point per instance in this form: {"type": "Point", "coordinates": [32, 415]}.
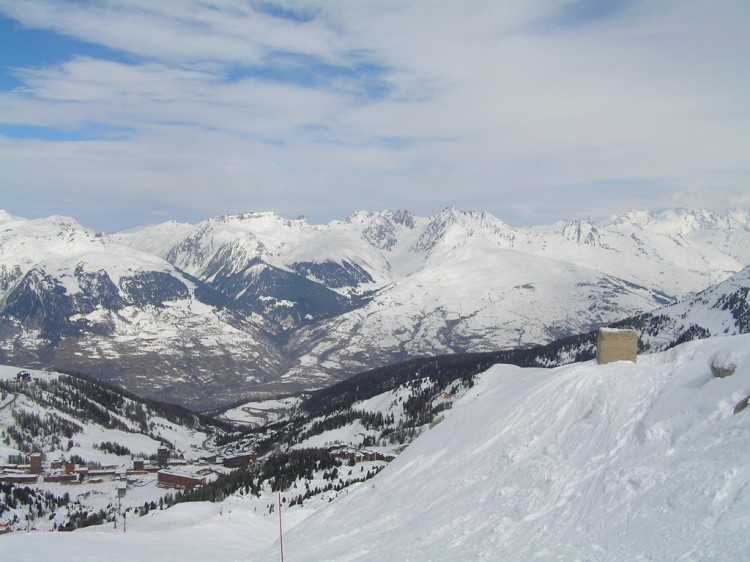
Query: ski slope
{"type": "Point", "coordinates": [584, 462]}
{"type": "Point", "coordinates": [645, 461]}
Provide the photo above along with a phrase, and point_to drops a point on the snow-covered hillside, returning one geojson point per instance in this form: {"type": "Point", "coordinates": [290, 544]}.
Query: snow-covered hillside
{"type": "Point", "coordinates": [624, 461]}
{"type": "Point", "coordinates": [98, 431]}
{"type": "Point", "coordinates": [616, 462]}
{"type": "Point", "coordinates": [717, 311]}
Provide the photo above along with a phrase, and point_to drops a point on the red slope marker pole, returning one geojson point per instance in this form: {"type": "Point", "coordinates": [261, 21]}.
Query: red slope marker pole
{"type": "Point", "coordinates": [281, 534]}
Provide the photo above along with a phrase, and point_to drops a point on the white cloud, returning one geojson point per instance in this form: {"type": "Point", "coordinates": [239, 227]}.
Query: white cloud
{"type": "Point", "coordinates": [499, 106]}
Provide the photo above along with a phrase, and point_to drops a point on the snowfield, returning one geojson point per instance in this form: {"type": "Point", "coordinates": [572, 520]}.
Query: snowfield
{"type": "Point", "coordinates": [646, 461]}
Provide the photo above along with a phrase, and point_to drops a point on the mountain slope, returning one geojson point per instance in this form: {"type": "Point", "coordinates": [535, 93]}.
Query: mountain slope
{"type": "Point", "coordinates": [720, 310]}
{"type": "Point", "coordinates": [71, 298]}
{"type": "Point", "coordinates": [96, 428]}
{"type": "Point", "coordinates": [622, 461]}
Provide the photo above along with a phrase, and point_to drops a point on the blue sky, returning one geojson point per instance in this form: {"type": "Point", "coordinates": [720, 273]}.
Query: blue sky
{"type": "Point", "coordinates": [121, 113]}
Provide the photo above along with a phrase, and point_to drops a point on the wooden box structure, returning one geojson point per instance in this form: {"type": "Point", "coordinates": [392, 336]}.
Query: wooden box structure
{"type": "Point", "coordinates": [616, 345]}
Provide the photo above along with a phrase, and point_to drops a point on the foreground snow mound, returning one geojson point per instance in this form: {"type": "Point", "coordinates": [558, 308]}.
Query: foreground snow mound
{"type": "Point", "coordinates": [191, 531]}
{"type": "Point", "coordinates": [584, 462]}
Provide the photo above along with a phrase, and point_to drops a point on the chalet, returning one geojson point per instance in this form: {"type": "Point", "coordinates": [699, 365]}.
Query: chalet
{"type": "Point", "coordinates": [23, 376]}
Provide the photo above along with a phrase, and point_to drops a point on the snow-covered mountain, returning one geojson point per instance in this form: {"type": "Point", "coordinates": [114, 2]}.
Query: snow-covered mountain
{"type": "Point", "coordinates": [720, 310]}
{"type": "Point", "coordinates": [644, 461]}
{"type": "Point", "coordinates": [391, 285]}
{"type": "Point", "coordinates": [723, 309]}
{"type": "Point", "coordinates": [205, 313]}
{"type": "Point", "coordinates": [74, 299]}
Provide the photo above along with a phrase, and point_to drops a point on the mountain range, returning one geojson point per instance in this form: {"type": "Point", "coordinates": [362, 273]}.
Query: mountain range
{"type": "Point", "coordinates": [255, 304]}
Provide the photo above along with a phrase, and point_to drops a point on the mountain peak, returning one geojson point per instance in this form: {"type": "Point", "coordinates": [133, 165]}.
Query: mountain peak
{"type": "Point", "coordinates": [581, 231]}
{"type": "Point", "coordinates": [464, 224]}
{"type": "Point", "coordinates": [384, 228]}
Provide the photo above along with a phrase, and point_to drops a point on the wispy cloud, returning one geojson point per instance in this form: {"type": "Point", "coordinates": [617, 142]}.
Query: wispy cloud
{"type": "Point", "coordinates": [325, 107]}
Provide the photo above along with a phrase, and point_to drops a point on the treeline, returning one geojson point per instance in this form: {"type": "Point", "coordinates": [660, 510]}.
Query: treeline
{"type": "Point", "coordinates": [283, 469]}
{"type": "Point", "coordinates": [280, 471]}
{"type": "Point", "coordinates": [88, 401]}
{"type": "Point", "coordinates": [441, 370]}
{"type": "Point", "coordinates": [225, 485]}
{"type": "Point", "coordinates": [30, 432]}
{"type": "Point", "coordinates": [446, 368]}
{"type": "Point", "coordinates": [739, 307]}
{"type": "Point", "coordinates": [340, 485]}
{"type": "Point", "coordinates": [114, 448]}
{"type": "Point", "coordinates": [418, 407]}
{"type": "Point", "coordinates": [71, 399]}
{"type": "Point", "coordinates": [106, 392]}
{"type": "Point", "coordinates": [28, 502]}
{"type": "Point", "coordinates": [370, 420]}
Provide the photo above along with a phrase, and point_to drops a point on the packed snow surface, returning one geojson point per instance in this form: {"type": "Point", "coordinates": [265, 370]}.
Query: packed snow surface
{"type": "Point", "coordinates": [584, 462]}
{"type": "Point", "coordinates": [624, 461]}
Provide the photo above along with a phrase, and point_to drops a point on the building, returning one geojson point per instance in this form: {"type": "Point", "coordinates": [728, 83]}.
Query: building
{"type": "Point", "coordinates": [616, 345]}
{"type": "Point", "coordinates": [36, 463]}
{"type": "Point", "coordinates": [370, 456]}
{"type": "Point", "coordinates": [173, 479]}
{"type": "Point", "coordinates": [60, 478]}
{"type": "Point", "coordinates": [16, 478]}
{"type": "Point", "coordinates": [162, 456]}
{"type": "Point", "coordinates": [239, 461]}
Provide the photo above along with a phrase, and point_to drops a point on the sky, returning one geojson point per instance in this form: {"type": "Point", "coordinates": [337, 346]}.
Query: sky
{"type": "Point", "coordinates": [124, 113]}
